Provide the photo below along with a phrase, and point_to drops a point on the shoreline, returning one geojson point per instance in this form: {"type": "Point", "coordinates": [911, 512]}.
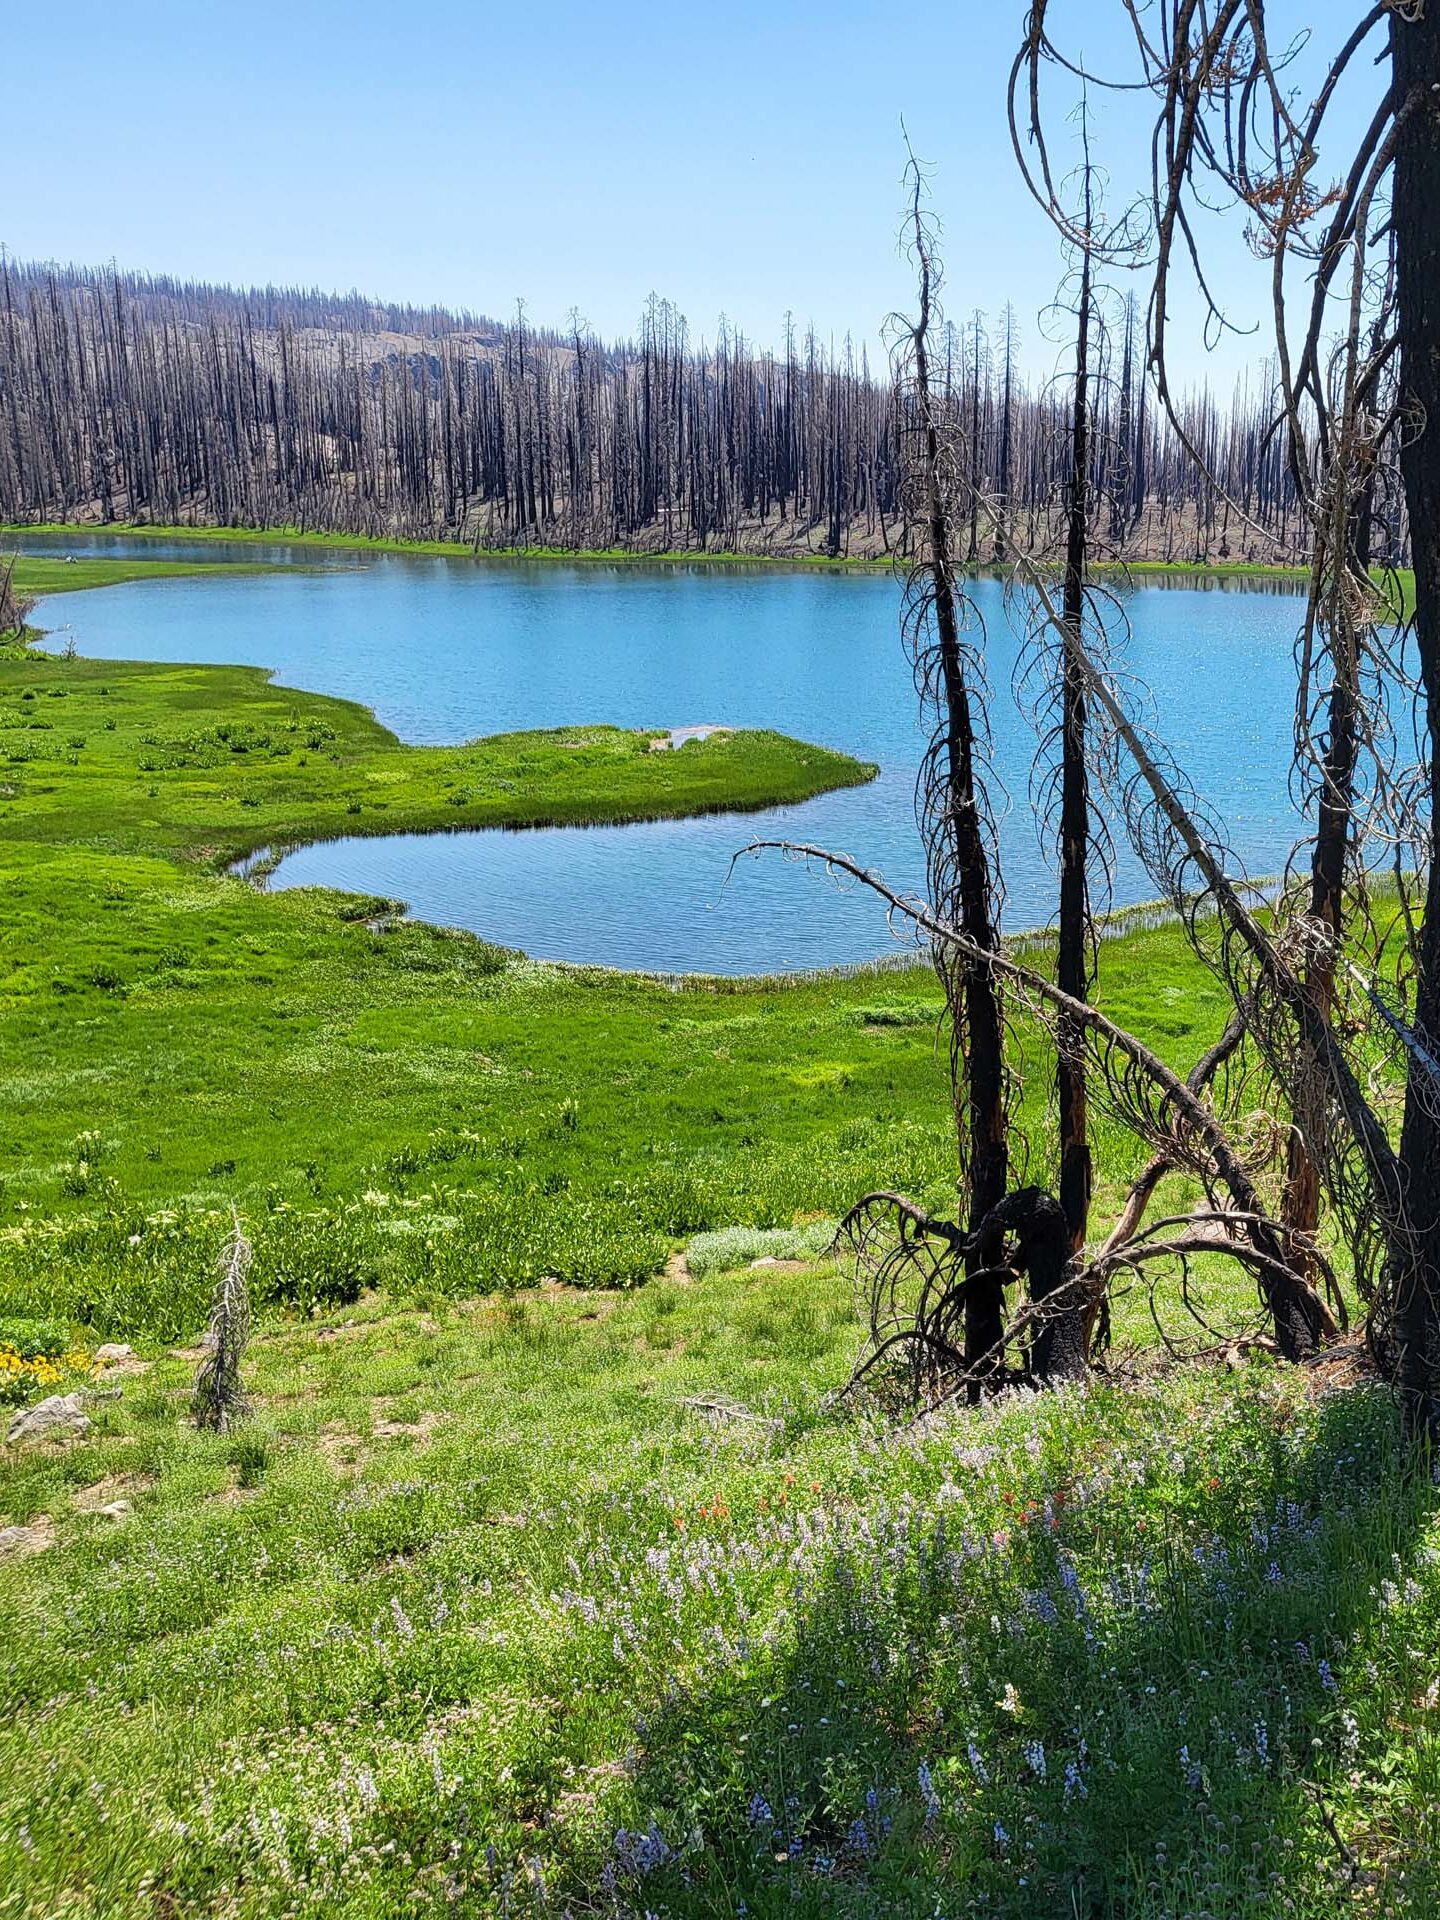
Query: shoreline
{"type": "Point", "coordinates": [302, 539]}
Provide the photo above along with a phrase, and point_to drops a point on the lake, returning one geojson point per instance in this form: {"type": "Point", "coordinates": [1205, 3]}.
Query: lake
{"type": "Point", "coordinates": [447, 649]}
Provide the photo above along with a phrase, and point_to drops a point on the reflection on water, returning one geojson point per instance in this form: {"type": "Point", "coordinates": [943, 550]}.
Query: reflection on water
{"type": "Point", "coordinates": [445, 650]}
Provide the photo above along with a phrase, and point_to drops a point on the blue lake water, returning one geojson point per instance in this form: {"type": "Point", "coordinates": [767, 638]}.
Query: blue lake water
{"type": "Point", "coordinates": [445, 650]}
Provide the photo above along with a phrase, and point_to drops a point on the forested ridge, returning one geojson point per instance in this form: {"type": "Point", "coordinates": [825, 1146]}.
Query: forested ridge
{"type": "Point", "coordinates": [130, 397]}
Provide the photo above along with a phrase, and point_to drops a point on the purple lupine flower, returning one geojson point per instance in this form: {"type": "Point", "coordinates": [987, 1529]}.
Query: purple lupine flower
{"type": "Point", "coordinates": [1034, 1751]}
{"type": "Point", "coordinates": [926, 1782]}
{"type": "Point", "coordinates": [1327, 1677]}
{"type": "Point", "coordinates": [977, 1763]}
{"type": "Point", "coordinates": [641, 1853]}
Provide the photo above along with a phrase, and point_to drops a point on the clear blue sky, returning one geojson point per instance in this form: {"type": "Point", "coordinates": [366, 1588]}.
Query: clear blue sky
{"type": "Point", "coordinates": [742, 159]}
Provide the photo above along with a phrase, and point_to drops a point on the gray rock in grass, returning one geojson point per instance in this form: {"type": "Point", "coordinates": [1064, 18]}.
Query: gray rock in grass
{"type": "Point", "coordinates": [61, 1414]}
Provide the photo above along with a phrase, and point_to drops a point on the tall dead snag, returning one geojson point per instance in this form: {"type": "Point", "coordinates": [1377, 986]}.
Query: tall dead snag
{"type": "Point", "coordinates": [1232, 124]}
{"type": "Point", "coordinates": [953, 814]}
{"type": "Point", "coordinates": [1056, 657]}
{"type": "Point", "coordinates": [1334, 635]}
{"type": "Point", "coordinates": [1072, 962]}
{"type": "Point", "coordinates": [1414, 1281]}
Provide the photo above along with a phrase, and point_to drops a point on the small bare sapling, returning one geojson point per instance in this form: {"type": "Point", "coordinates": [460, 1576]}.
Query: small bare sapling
{"type": "Point", "coordinates": [219, 1395]}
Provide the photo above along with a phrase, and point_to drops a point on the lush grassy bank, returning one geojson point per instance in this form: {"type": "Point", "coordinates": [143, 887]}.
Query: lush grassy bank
{"type": "Point", "coordinates": [211, 762]}
{"type": "Point", "coordinates": [302, 539]}
{"type": "Point", "coordinates": [43, 574]}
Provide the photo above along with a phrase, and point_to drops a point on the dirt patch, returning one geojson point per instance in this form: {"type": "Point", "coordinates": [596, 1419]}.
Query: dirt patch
{"type": "Point", "coordinates": [422, 1323]}
{"type": "Point", "coordinates": [340, 1449]}
{"type": "Point", "coordinates": [235, 1496]}
{"type": "Point", "coordinates": [1340, 1368]}
{"type": "Point", "coordinates": [114, 1359]}
{"type": "Point", "coordinates": [677, 1268]}
{"type": "Point", "coordinates": [35, 1538]}
{"type": "Point", "coordinates": [114, 1487]}
{"type": "Point", "coordinates": [421, 1429]}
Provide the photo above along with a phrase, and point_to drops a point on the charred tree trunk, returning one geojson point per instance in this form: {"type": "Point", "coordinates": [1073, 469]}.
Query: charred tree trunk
{"type": "Point", "coordinates": [1300, 1207]}
{"type": "Point", "coordinates": [1415, 58]}
{"type": "Point", "coordinates": [962, 885]}
{"type": "Point", "coordinates": [1041, 1231]}
{"type": "Point", "coordinates": [1073, 973]}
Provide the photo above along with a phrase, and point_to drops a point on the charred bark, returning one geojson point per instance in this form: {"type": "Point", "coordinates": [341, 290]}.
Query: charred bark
{"type": "Point", "coordinates": [1072, 969]}
{"type": "Point", "coordinates": [962, 884]}
{"type": "Point", "coordinates": [1415, 64]}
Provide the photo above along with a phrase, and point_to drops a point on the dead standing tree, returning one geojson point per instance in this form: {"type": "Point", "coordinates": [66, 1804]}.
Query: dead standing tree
{"type": "Point", "coordinates": [937, 1290]}
{"type": "Point", "coordinates": [1227, 119]}
{"type": "Point", "coordinates": [953, 807]}
{"type": "Point", "coordinates": [220, 1399]}
{"type": "Point", "coordinates": [1072, 960]}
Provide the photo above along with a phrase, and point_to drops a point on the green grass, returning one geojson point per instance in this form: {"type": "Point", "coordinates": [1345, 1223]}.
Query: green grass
{"type": "Point", "coordinates": [586, 1604]}
{"type": "Point", "coordinates": [47, 575]}
{"type": "Point", "coordinates": [521, 1598]}
{"type": "Point", "coordinates": [301, 538]}
{"type": "Point", "coordinates": [213, 762]}
{"type": "Point", "coordinates": [415, 1109]}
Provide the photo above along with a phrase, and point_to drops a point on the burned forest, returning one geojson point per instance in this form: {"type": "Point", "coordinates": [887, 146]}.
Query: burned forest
{"type": "Point", "coordinates": [125, 398]}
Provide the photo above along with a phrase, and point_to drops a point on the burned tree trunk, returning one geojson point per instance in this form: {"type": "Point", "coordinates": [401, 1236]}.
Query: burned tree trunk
{"type": "Point", "coordinates": [1040, 1229]}
{"type": "Point", "coordinates": [962, 884]}
{"type": "Point", "coordinates": [1073, 973]}
{"type": "Point", "coordinates": [1415, 1280]}
{"type": "Point", "coordinates": [15, 607]}
{"type": "Point", "coordinates": [1306, 1147]}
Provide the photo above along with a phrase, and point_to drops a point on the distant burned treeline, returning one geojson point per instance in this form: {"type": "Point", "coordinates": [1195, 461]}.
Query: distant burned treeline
{"type": "Point", "coordinates": [129, 398]}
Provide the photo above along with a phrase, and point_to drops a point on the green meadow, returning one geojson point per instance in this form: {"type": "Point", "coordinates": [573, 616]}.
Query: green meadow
{"type": "Point", "coordinates": [548, 1575]}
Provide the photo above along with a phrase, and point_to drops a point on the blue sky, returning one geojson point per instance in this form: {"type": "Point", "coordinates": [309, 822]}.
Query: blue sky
{"type": "Point", "coordinates": [743, 159]}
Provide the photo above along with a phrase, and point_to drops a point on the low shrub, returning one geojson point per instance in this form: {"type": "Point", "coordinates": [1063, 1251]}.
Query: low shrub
{"type": "Point", "coordinates": [737, 1246]}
